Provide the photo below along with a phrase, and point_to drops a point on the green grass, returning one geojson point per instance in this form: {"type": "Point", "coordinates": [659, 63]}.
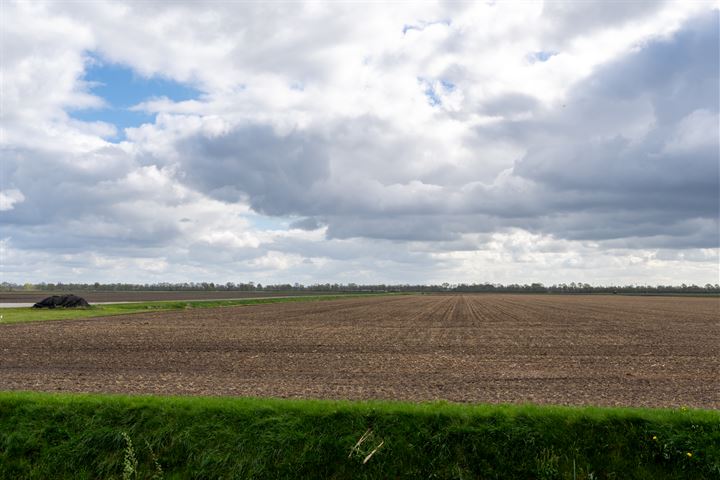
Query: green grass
{"type": "Point", "coordinates": [29, 314]}
{"type": "Point", "coordinates": [81, 437]}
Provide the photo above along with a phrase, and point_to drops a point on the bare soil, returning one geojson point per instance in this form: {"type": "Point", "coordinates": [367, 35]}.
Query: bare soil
{"type": "Point", "coordinates": [598, 350]}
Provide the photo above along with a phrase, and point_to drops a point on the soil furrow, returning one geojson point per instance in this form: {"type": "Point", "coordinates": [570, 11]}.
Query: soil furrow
{"type": "Point", "coordinates": [601, 350]}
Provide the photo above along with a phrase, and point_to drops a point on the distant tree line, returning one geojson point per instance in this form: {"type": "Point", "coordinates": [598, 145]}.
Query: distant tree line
{"type": "Point", "coordinates": [572, 287]}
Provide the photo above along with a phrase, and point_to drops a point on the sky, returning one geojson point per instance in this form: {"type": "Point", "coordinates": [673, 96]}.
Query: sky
{"type": "Point", "coordinates": [460, 142]}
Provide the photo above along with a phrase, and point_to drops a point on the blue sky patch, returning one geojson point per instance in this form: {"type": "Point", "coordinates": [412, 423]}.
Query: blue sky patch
{"type": "Point", "coordinates": [123, 88]}
{"type": "Point", "coordinates": [541, 56]}
{"type": "Point", "coordinates": [432, 96]}
{"type": "Point", "coordinates": [431, 91]}
{"type": "Point", "coordinates": [447, 85]}
{"type": "Point", "coordinates": [263, 222]}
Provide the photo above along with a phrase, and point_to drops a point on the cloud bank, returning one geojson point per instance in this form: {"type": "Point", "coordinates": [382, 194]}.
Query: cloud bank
{"type": "Point", "coordinates": [362, 143]}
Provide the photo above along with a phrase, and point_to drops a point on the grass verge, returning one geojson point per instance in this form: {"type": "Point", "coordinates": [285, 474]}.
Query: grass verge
{"type": "Point", "coordinates": [88, 436]}
{"type": "Point", "coordinates": [29, 314]}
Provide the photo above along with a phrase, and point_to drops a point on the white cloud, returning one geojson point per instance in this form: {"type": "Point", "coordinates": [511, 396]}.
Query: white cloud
{"type": "Point", "coordinates": [405, 142]}
{"type": "Point", "coordinates": [8, 198]}
{"type": "Point", "coordinates": [693, 133]}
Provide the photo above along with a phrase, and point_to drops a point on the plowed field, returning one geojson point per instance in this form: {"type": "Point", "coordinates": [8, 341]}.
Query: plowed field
{"type": "Point", "coordinates": [602, 350]}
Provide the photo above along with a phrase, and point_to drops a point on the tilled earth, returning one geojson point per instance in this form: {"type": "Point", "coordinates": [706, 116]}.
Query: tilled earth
{"type": "Point", "coordinates": [601, 350]}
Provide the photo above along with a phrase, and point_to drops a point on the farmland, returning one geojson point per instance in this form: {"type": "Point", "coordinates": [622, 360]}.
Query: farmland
{"type": "Point", "coordinates": [545, 349]}
{"type": "Point", "coordinates": [149, 296]}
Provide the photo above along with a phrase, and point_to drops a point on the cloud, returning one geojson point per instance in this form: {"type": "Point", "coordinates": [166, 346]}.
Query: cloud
{"type": "Point", "coordinates": [616, 152]}
{"type": "Point", "coordinates": [567, 20]}
{"type": "Point", "coordinates": [273, 171]}
{"type": "Point", "coordinates": [622, 142]}
{"type": "Point", "coordinates": [395, 142]}
{"type": "Point", "coordinates": [9, 198]}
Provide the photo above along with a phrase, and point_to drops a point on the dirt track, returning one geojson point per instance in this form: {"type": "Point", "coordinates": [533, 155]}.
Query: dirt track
{"type": "Point", "coordinates": [602, 350]}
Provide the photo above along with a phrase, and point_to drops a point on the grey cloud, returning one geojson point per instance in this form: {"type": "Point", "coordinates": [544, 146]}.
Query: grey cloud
{"type": "Point", "coordinates": [375, 169]}
{"type": "Point", "coordinates": [583, 161]}
{"type": "Point", "coordinates": [203, 253]}
{"type": "Point", "coordinates": [440, 228]}
{"type": "Point", "coordinates": [58, 185]}
{"type": "Point", "coordinates": [603, 167]}
{"type": "Point", "coordinates": [399, 227]}
{"type": "Point", "coordinates": [677, 75]}
{"type": "Point", "coordinates": [509, 104]}
{"type": "Point", "coordinates": [617, 173]}
{"type": "Point", "coordinates": [306, 224]}
{"type": "Point", "coordinates": [361, 250]}
{"type": "Point", "coordinates": [79, 202]}
{"type": "Point", "coordinates": [633, 229]}
{"type": "Point", "coordinates": [274, 172]}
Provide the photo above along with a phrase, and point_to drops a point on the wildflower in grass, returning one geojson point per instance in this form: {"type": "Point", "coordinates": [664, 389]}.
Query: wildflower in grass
{"type": "Point", "coordinates": [130, 462]}
{"type": "Point", "coordinates": [655, 437]}
{"type": "Point", "coordinates": [689, 455]}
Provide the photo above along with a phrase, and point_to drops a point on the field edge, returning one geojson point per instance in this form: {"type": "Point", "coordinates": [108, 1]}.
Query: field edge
{"type": "Point", "coordinates": [11, 316]}
{"type": "Point", "coordinates": [80, 436]}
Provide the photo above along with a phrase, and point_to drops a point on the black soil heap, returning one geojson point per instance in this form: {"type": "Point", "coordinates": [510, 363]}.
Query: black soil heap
{"type": "Point", "coordinates": [64, 301]}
